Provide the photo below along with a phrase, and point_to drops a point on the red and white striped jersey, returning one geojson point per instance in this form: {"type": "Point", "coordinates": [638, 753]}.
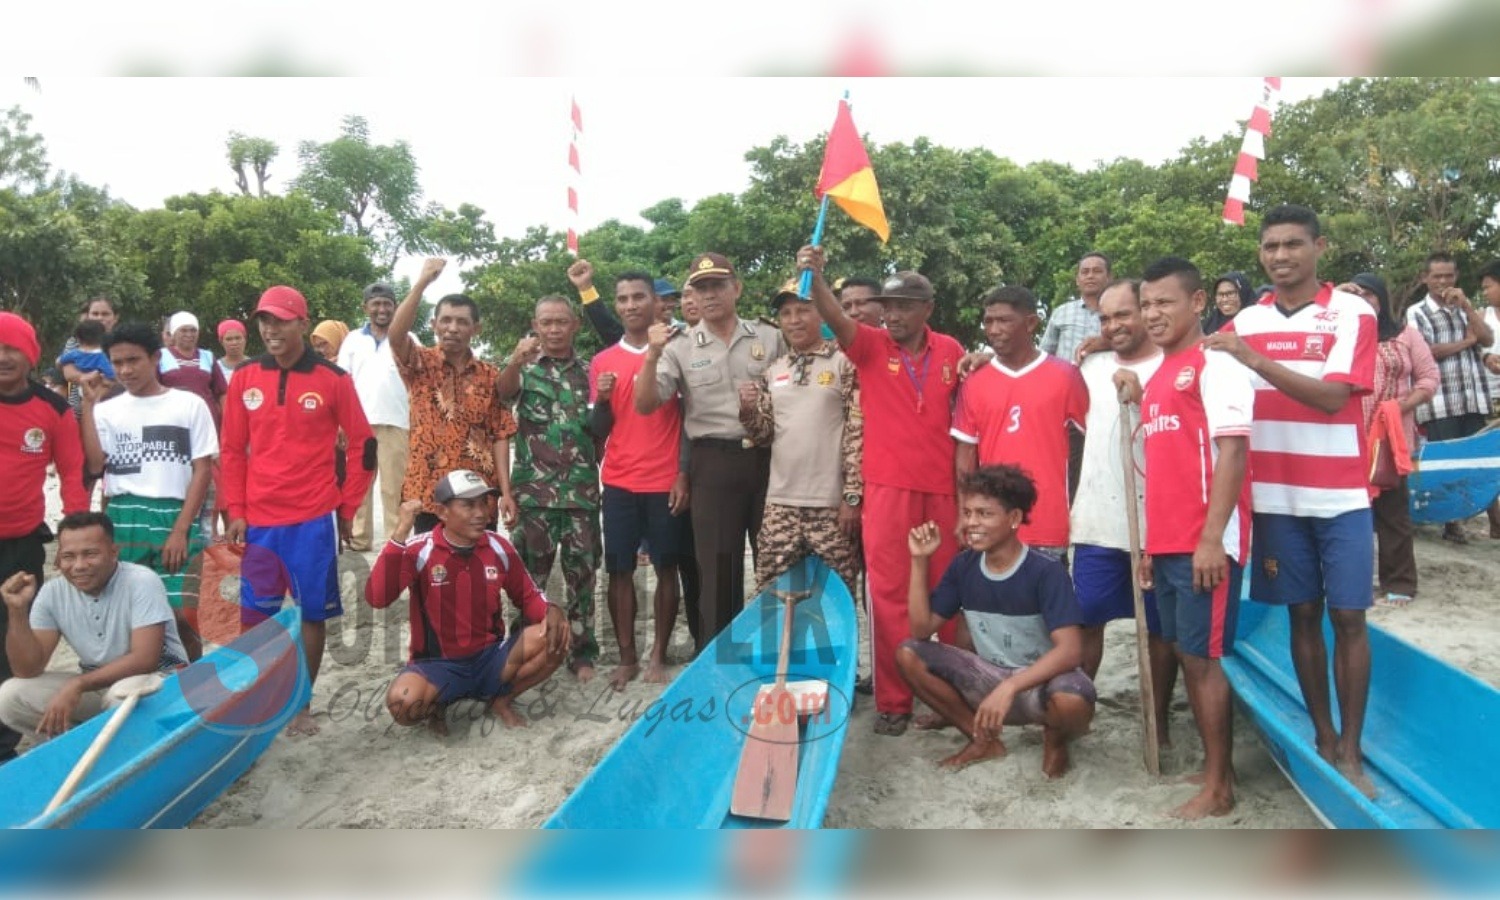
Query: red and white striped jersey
{"type": "Point", "coordinates": [1305, 462]}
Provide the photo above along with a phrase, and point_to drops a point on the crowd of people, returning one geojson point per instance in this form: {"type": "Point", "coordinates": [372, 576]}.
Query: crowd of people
{"type": "Point", "coordinates": [933, 480]}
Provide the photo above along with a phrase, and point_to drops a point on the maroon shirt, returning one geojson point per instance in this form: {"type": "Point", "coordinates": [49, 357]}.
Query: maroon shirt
{"type": "Point", "coordinates": [455, 603]}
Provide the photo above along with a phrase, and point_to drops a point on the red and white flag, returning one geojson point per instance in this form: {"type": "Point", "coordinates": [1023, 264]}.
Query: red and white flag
{"type": "Point", "coordinates": [574, 178]}
{"type": "Point", "coordinates": [1252, 150]}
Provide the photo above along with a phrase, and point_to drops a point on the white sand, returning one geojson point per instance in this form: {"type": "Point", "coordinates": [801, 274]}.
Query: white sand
{"type": "Point", "coordinates": [361, 771]}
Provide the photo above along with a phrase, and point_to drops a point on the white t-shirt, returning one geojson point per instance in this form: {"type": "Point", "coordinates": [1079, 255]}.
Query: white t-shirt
{"type": "Point", "coordinates": [1098, 516]}
{"type": "Point", "coordinates": [150, 442]}
{"type": "Point", "coordinates": [378, 383]}
{"type": "Point", "coordinates": [1493, 320]}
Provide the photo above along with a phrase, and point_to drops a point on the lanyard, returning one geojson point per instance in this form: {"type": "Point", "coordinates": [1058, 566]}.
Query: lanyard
{"type": "Point", "coordinates": [911, 372]}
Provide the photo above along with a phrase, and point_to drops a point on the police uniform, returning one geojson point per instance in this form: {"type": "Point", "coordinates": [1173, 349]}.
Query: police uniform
{"type": "Point", "coordinates": [727, 473]}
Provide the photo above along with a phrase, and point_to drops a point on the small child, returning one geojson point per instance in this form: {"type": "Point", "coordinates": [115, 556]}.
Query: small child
{"type": "Point", "coordinates": [87, 356]}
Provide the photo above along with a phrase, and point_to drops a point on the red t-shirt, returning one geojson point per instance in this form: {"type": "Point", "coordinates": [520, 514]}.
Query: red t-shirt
{"type": "Point", "coordinates": [1194, 397]}
{"type": "Point", "coordinates": [37, 428]}
{"type": "Point", "coordinates": [1020, 418]}
{"type": "Point", "coordinates": [907, 403]}
{"type": "Point", "coordinates": [641, 455]}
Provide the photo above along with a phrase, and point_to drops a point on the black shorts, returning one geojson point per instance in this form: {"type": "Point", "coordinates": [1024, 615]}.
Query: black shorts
{"type": "Point", "coordinates": [628, 518]}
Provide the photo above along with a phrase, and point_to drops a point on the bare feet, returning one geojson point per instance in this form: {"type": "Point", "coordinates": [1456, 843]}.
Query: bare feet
{"type": "Point", "coordinates": [583, 670]}
{"type": "Point", "coordinates": [1055, 759]}
{"type": "Point", "coordinates": [1355, 773]}
{"type": "Point", "coordinates": [973, 752]}
{"type": "Point", "coordinates": [930, 722]}
{"type": "Point", "coordinates": [303, 723]}
{"type": "Point", "coordinates": [506, 713]}
{"type": "Point", "coordinates": [1207, 803]}
{"type": "Point", "coordinates": [623, 675]}
{"type": "Point", "coordinates": [437, 722]}
{"type": "Point", "coordinates": [1200, 779]}
{"type": "Point", "coordinates": [656, 673]}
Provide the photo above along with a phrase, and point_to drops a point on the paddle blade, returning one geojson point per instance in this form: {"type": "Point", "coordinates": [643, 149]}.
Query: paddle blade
{"type": "Point", "coordinates": [765, 787]}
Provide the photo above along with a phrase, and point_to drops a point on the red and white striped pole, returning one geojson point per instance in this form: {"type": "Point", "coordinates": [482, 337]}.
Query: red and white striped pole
{"type": "Point", "coordinates": [574, 179]}
{"type": "Point", "coordinates": [1252, 149]}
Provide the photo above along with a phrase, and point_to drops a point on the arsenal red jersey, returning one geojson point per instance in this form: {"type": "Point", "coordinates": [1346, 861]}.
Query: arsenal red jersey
{"type": "Point", "coordinates": [1196, 396]}
{"type": "Point", "coordinates": [1020, 418]}
{"type": "Point", "coordinates": [907, 403]}
{"type": "Point", "coordinates": [455, 603]}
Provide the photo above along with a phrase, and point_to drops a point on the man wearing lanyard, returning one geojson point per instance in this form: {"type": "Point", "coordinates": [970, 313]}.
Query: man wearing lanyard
{"type": "Point", "coordinates": [727, 474]}
{"type": "Point", "coordinates": [908, 374]}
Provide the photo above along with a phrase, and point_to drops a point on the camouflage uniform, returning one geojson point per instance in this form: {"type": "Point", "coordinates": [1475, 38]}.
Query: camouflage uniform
{"type": "Point", "coordinates": [555, 480]}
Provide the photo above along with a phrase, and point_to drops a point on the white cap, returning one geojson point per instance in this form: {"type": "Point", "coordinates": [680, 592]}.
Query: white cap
{"type": "Point", "coordinates": [180, 319]}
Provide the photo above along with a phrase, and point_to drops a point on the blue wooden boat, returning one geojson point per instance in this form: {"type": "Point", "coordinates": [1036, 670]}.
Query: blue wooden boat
{"type": "Point", "coordinates": [675, 766]}
{"type": "Point", "coordinates": [179, 749]}
{"type": "Point", "coordinates": [1429, 737]}
{"type": "Point", "coordinates": [1455, 480]}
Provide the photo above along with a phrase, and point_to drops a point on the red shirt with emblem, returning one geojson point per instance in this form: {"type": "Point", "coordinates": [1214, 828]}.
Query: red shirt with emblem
{"type": "Point", "coordinates": [1304, 462]}
{"type": "Point", "coordinates": [455, 603]}
{"type": "Point", "coordinates": [1021, 418]}
{"type": "Point", "coordinates": [1196, 396]}
{"type": "Point", "coordinates": [37, 428]}
{"type": "Point", "coordinates": [907, 403]}
{"type": "Point", "coordinates": [276, 447]}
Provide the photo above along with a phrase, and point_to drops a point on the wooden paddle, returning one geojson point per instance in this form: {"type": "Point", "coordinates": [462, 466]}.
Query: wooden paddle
{"type": "Point", "coordinates": [765, 786]}
{"type": "Point", "coordinates": [131, 689]}
{"type": "Point", "coordinates": [1151, 750]}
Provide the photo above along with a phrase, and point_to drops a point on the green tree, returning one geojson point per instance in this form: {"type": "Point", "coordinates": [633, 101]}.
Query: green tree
{"type": "Point", "coordinates": [255, 154]}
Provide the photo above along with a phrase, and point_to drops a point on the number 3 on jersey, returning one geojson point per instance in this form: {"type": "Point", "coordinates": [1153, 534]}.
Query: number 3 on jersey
{"type": "Point", "coordinates": [1015, 420]}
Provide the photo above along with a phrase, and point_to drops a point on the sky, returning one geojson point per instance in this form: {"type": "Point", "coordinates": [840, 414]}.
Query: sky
{"type": "Point", "coordinates": [501, 143]}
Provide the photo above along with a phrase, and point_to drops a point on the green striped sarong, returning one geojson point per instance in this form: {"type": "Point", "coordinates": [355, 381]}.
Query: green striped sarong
{"type": "Point", "coordinates": [142, 525]}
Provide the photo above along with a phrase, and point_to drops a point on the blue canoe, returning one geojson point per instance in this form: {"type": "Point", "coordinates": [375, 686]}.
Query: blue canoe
{"type": "Point", "coordinates": [1455, 480]}
{"type": "Point", "coordinates": [675, 766]}
{"type": "Point", "coordinates": [179, 749]}
{"type": "Point", "coordinates": [1429, 737]}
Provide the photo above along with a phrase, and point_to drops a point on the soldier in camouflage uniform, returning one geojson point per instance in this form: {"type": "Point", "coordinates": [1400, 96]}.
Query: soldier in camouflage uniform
{"type": "Point", "coordinates": [555, 476]}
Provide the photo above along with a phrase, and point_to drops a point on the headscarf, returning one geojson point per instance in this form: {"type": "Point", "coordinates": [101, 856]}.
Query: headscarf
{"type": "Point", "coordinates": [179, 319]}
{"type": "Point", "coordinates": [1214, 319]}
{"type": "Point", "coordinates": [229, 325]}
{"type": "Point", "coordinates": [333, 332]}
{"type": "Point", "coordinates": [17, 332]}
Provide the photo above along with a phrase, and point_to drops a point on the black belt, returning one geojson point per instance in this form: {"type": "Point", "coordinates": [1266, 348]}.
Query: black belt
{"type": "Point", "coordinates": [723, 443]}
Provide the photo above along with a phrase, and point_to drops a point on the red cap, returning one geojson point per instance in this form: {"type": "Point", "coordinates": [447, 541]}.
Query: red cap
{"type": "Point", "coordinates": [17, 332]}
{"type": "Point", "coordinates": [282, 302]}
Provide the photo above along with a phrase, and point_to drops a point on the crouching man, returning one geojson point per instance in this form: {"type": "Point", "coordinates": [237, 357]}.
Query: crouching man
{"type": "Point", "coordinates": [1024, 619]}
{"type": "Point", "coordinates": [459, 645]}
{"type": "Point", "coordinates": [113, 614]}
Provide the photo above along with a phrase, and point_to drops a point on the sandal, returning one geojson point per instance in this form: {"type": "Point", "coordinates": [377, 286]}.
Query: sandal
{"type": "Point", "coordinates": [892, 724]}
{"type": "Point", "coordinates": [1394, 600]}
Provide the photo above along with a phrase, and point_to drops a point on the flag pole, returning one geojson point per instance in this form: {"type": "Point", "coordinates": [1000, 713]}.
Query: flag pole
{"type": "Point", "coordinates": [804, 288]}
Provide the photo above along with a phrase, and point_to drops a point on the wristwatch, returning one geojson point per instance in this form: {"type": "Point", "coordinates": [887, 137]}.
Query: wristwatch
{"type": "Point", "coordinates": [852, 499]}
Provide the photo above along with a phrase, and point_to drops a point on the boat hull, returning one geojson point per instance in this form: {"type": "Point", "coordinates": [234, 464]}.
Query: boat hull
{"type": "Point", "coordinates": [179, 749]}
{"type": "Point", "coordinates": [675, 766]}
{"type": "Point", "coordinates": [1455, 480]}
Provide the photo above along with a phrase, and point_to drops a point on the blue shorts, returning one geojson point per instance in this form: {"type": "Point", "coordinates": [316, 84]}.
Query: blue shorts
{"type": "Point", "coordinates": [1102, 580]}
{"type": "Point", "coordinates": [1299, 559]}
{"type": "Point", "coordinates": [477, 676]}
{"type": "Point", "coordinates": [1199, 624]}
{"type": "Point", "coordinates": [630, 519]}
{"type": "Point", "coordinates": [308, 553]}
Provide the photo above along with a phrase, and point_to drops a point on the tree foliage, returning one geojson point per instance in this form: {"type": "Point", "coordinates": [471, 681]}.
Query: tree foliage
{"type": "Point", "coordinates": [254, 154]}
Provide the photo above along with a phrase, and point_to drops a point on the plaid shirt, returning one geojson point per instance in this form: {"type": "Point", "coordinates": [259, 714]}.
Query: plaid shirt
{"type": "Point", "coordinates": [1462, 387]}
{"type": "Point", "coordinates": [1067, 327]}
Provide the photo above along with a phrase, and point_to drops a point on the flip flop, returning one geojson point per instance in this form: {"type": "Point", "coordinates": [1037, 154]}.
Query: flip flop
{"type": "Point", "coordinates": [892, 724]}
{"type": "Point", "coordinates": [1394, 600]}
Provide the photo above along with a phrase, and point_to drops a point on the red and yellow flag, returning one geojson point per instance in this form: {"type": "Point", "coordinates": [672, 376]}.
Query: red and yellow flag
{"type": "Point", "coordinates": [848, 178]}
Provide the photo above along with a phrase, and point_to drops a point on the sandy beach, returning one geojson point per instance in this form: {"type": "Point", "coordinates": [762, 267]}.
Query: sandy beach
{"type": "Point", "coordinates": [360, 771]}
